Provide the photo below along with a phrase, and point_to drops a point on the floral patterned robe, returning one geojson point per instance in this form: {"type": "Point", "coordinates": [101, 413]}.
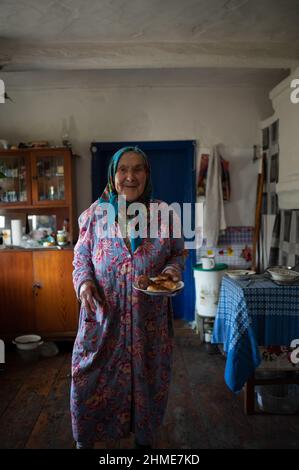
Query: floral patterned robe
{"type": "Point", "coordinates": [121, 361]}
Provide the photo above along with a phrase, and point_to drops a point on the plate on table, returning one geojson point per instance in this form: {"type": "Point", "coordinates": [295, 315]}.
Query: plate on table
{"type": "Point", "coordinates": [167, 293]}
{"type": "Point", "coordinates": [240, 273]}
{"type": "Point", "coordinates": [285, 275]}
{"type": "Point", "coordinates": [288, 282]}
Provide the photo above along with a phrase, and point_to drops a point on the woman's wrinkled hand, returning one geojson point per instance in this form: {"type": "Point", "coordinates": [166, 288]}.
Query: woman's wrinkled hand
{"type": "Point", "coordinates": [89, 297]}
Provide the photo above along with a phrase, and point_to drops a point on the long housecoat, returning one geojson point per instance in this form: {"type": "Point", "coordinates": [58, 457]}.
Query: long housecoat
{"type": "Point", "coordinates": [121, 361]}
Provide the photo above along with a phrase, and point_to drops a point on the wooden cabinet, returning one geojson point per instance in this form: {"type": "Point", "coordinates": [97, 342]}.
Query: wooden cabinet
{"type": "Point", "coordinates": [16, 281]}
{"type": "Point", "coordinates": [36, 289]}
{"type": "Point", "coordinates": [54, 296]}
{"type": "Point", "coordinates": [15, 178]}
{"type": "Point", "coordinates": [37, 294]}
{"type": "Point", "coordinates": [38, 181]}
{"type": "Point", "coordinates": [51, 177]}
{"type": "Point", "coordinates": [35, 177]}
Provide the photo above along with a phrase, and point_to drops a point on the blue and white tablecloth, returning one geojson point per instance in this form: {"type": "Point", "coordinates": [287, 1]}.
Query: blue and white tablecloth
{"type": "Point", "coordinates": [249, 315]}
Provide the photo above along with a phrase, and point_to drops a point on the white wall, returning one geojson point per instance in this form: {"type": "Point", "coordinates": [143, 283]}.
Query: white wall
{"type": "Point", "coordinates": [122, 112]}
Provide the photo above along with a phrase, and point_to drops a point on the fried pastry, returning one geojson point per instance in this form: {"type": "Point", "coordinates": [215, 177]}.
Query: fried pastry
{"type": "Point", "coordinates": [153, 287]}
{"type": "Point", "coordinates": [162, 286]}
{"type": "Point", "coordinates": [161, 277]}
{"type": "Point", "coordinates": [169, 285]}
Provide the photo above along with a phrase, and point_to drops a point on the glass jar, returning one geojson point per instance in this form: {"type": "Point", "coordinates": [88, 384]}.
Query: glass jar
{"type": "Point", "coordinates": [51, 193]}
{"type": "Point", "coordinates": [61, 237]}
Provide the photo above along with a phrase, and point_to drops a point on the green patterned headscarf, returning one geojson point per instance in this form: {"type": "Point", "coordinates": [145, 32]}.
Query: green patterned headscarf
{"type": "Point", "coordinates": [110, 194]}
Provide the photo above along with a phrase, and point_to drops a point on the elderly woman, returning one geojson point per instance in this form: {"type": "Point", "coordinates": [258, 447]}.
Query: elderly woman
{"type": "Point", "coordinates": [121, 361]}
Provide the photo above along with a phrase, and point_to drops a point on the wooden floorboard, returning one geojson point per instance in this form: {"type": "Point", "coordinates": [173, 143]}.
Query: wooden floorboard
{"type": "Point", "coordinates": [53, 426]}
{"type": "Point", "coordinates": [201, 414]}
{"type": "Point", "coordinates": [21, 414]}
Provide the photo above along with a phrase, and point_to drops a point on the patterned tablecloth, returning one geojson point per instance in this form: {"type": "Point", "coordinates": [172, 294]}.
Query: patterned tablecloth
{"type": "Point", "coordinates": [250, 315]}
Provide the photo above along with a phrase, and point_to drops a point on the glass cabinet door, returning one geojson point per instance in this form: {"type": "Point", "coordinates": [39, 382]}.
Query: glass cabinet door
{"type": "Point", "coordinates": [50, 178]}
{"type": "Point", "coordinates": [14, 178]}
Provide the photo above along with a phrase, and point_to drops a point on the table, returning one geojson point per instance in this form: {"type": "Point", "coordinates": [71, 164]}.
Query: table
{"type": "Point", "coordinates": [250, 315]}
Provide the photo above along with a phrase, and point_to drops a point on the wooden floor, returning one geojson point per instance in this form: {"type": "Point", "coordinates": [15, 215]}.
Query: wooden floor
{"type": "Point", "coordinates": [202, 413]}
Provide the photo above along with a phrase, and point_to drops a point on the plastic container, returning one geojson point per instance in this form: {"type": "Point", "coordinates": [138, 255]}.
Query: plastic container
{"type": "Point", "coordinates": [208, 336]}
{"type": "Point", "coordinates": [207, 284]}
{"type": "Point", "coordinates": [278, 399]}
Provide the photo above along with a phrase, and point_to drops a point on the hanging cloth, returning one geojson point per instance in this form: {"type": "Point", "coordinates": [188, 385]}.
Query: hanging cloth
{"type": "Point", "coordinates": [214, 217]}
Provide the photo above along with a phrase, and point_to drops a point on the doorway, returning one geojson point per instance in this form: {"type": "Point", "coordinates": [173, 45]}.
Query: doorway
{"type": "Point", "coordinates": [173, 169]}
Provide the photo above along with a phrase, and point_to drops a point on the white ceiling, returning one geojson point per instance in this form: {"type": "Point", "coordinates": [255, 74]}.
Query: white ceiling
{"type": "Point", "coordinates": [256, 21]}
{"type": "Point", "coordinates": [148, 34]}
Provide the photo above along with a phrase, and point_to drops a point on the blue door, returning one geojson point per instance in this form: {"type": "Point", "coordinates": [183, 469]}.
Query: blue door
{"type": "Point", "coordinates": [173, 177]}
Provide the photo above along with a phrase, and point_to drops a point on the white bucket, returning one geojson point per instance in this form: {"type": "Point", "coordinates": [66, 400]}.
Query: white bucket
{"type": "Point", "coordinates": [207, 285]}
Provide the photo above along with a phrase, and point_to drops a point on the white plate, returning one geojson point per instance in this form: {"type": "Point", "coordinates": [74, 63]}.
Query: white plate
{"type": "Point", "coordinates": [169, 293]}
{"type": "Point", "coordinates": [283, 274]}
{"type": "Point", "coordinates": [240, 273]}
{"type": "Point", "coordinates": [26, 339]}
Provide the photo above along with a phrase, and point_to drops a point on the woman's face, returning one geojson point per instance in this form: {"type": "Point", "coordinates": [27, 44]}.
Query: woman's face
{"type": "Point", "coordinates": [130, 177]}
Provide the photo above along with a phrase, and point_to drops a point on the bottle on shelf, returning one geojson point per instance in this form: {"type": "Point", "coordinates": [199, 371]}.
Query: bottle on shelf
{"type": "Point", "coordinates": [51, 193]}
{"type": "Point", "coordinates": [61, 237]}
{"type": "Point", "coordinates": [66, 228]}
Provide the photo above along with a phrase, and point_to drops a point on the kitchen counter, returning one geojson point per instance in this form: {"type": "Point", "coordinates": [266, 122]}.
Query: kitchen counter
{"type": "Point", "coordinates": [42, 248]}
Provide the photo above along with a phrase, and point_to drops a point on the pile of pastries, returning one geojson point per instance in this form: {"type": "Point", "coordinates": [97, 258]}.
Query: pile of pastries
{"type": "Point", "coordinates": [163, 282]}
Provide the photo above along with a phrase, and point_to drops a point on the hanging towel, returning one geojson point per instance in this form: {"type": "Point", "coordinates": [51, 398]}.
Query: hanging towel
{"type": "Point", "coordinates": [214, 217]}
